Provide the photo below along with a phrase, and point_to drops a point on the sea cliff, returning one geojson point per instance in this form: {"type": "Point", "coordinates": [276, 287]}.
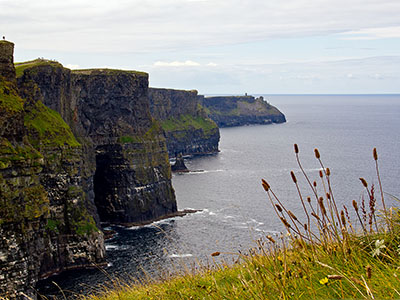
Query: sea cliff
{"type": "Point", "coordinates": [230, 111]}
{"type": "Point", "coordinates": [45, 223]}
{"type": "Point", "coordinates": [188, 128]}
{"type": "Point", "coordinates": [77, 148]}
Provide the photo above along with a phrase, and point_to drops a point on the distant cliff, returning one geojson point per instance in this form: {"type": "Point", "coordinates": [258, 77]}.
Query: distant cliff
{"type": "Point", "coordinates": [187, 127]}
{"type": "Point", "coordinates": [76, 148]}
{"type": "Point", "coordinates": [241, 110]}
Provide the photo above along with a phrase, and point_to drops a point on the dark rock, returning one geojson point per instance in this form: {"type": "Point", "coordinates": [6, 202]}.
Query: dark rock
{"type": "Point", "coordinates": [7, 69]}
{"type": "Point", "coordinates": [179, 165]}
{"type": "Point", "coordinates": [188, 129]}
{"type": "Point", "coordinates": [54, 189]}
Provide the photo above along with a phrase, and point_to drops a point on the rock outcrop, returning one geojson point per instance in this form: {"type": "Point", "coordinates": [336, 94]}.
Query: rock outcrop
{"type": "Point", "coordinates": [179, 165]}
{"type": "Point", "coordinates": [187, 127]}
{"type": "Point", "coordinates": [76, 148]}
{"type": "Point", "coordinates": [45, 226]}
{"type": "Point", "coordinates": [230, 111]}
{"type": "Point", "coordinates": [126, 170]}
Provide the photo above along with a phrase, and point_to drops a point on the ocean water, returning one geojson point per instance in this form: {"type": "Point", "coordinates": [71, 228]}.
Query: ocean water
{"type": "Point", "coordinates": [234, 210]}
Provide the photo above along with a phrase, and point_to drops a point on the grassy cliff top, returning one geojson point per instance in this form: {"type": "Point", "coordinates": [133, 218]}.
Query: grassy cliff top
{"type": "Point", "coordinates": [174, 90]}
{"type": "Point", "coordinates": [6, 42]}
{"type": "Point", "coordinates": [21, 66]}
{"type": "Point", "coordinates": [105, 71]}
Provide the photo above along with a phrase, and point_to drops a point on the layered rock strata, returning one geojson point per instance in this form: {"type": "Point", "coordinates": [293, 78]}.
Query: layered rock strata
{"type": "Point", "coordinates": [187, 127]}
{"type": "Point", "coordinates": [45, 226]}
{"type": "Point", "coordinates": [241, 110]}
{"type": "Point", "coordinates": [92, 153]}
{"type": "Point", "coordinates": [126, 171]}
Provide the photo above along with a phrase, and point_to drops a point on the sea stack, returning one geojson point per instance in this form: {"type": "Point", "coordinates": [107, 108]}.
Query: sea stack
{"type": "Point", "coordinates": [179, 165]}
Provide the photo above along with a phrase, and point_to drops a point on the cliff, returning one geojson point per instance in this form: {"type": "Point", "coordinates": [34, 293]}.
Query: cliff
{"type": "Point", "coordinates": [76, 149]}
{"type": "Point", "coordinates": [45, 226]}
{"type": "Point", "coordinates": [188, 129]}
{"type": "Point", "coordinates": [241, 110]}
{"type": "Point", "coordinates": [127, 177]}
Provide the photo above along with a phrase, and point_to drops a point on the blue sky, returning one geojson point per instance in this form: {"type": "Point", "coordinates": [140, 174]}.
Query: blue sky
{"type": "Point", "coordinates": [219, 47]}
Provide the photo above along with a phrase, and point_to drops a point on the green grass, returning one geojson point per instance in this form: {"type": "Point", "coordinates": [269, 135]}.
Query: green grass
{"type": "Point", "coordinates": [185, 122]}
{"type": "Point", "coordinates": [335, 260]}
{"type": "Point", "coordinates": [46, 127]}
{"type": "Point", "coordinates": [20, 67]}
{"type": "Point", "coordinates": [9, 100]}
{"type": "Point", "coordinates": [108, 72]}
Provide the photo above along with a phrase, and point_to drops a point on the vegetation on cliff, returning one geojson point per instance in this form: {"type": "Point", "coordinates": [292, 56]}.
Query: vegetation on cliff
{"type": "Point", "coordinates": [326, 256]}
{"type": "Point", "coordinates": [47, 128]}
{"type": "Point", "coordinates": [188, 129]}
{"type": "Point", "coordinates": [241, 110]}
{"type": "Point", "coordinates": [189, 122]}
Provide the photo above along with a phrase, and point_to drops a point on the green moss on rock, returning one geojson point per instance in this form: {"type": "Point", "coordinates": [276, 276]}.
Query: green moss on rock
{"type": "Point", "coordinates": [22, 204]}
{"type": "Point", "coordinates": [9, 100]}
{"type": "Point", "coordinates": [46, 127]}
{"type": "Point", "coordinates": [186, 122]}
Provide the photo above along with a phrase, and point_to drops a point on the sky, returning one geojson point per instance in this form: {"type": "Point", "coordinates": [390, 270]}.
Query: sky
{"type": "Point", "coordinates": [219, 46]}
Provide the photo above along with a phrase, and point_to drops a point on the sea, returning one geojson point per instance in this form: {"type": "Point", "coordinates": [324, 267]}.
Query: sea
{"type": "Point", "coordinates": [233, 209]}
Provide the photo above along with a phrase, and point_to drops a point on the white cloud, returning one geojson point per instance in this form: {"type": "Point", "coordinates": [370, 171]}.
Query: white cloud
{"type": "Point", "coordinates": [187, 63]}
{"type": "Point", "coordinates": [372, 33]}
{"type": "Point", "coordinates": [162, 25]}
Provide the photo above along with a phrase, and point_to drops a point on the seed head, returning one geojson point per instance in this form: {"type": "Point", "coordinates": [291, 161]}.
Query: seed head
{"type": "Point", "coordinates": [278, 207]}
{"type": "Point", "coordinates": [342, 217]}
{"type": "Point", "coordinates": [321, 174]}
{"type": "Point", "coordinates": [335, 277]}
{"type": "Point", "coordinates": [293, 177]}
{"type": "Point", "coordinates": [265, 185]}
{"type": "Point", "coordinates": [375, 154]}
{"type": "Point", "coordinates": [368, 270]}
{"type": "Point", "coordinates": [328, 172]}
{"type": "Point", "coordinates": [309, 199]}
{"type": "Point", "coordinates": [215, 253]}
{"type": "Point", "coordinates": [321, 204]}
{"type": "Point", "coordinates": [328, 196]}
{"type": "Point", "coordinates": [285, 222]}
{"type": "Point", "coordinates": [364, 182]}
{"type": "Point", "coordinates": [305, 227]}
{"type": "Point", "coordinates": [315, 184]}
{"type": "Point", "coordinates": [355, 205]}
{"type": "Point", "coordinates": [317, 153]}
{"type": "Point", "coordinates": [296, 149]}
{"type": "Point", "coordinates": [292, 215]}
{"type": "Point", "coordinates": [271, 238]}
{"type": "Point", "coordinates": [315, 215]}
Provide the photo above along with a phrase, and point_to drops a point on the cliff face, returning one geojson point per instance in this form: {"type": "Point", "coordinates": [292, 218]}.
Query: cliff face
{"type": "Point", "coordinates": [108, 162]}
{"type": "Point", "coordinates": [241, 110]}
{"type": "Point", "coordinates": [126, 174]}
{"type": "Point", "coordinates": [45, 226]}
{"type": "Point", "coordinates": [187, 128]}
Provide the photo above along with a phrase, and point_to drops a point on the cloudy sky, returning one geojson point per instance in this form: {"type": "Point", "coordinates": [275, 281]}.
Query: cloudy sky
{"type": "Point", "coordinates": [219, 46]}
